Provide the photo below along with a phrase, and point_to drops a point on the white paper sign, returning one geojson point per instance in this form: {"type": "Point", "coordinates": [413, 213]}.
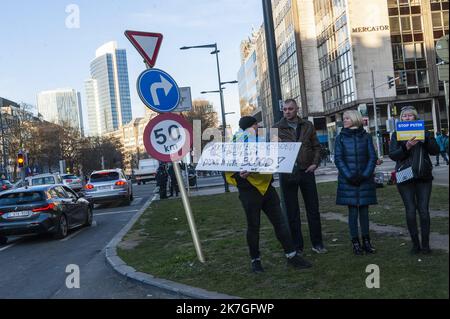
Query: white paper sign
{"type": "Point", "coordinates": [251, 157]}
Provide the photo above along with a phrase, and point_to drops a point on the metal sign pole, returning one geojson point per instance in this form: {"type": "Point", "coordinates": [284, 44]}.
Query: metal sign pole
{"type": "Point", "coordinates": [190, 217]}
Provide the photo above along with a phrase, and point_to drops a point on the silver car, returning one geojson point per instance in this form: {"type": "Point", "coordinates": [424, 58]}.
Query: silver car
{"type": "Point", "coordinates": [108, 186]}
{"type": "Point", "coordinates": [74, 182]}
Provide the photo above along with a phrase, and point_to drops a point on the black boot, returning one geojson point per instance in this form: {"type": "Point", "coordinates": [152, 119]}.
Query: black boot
{"type": "Point", "coordinates": [416, 245]}
{"type": "Point", "coordinates": [367, 246]}
{"type": "Point", "coordinates": [357, 246]}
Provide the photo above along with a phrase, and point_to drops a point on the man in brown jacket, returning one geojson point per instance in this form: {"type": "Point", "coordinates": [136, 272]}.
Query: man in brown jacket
{"type": "Point", "coordinates": [291, 128]}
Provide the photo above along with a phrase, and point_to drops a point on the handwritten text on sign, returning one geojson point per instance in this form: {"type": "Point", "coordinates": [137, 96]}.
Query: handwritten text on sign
{"type": "Point", "coordinates": [409, 129]}
{"type": "Point", "coordinates": [251, 157]}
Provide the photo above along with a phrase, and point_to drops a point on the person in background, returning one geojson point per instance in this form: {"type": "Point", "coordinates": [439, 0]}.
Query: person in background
{"type": "Point", "coordinates": [174, 188]}
{"type": "Point", "coordinates": [355, 159]}
{"type": "Point", "coordinates": [161, 180]}
{"type": "Point", "coordinates": [256, 193]}
{"type": "Point", "coordinates": [291, 128]}
{"type": "Point", "coordinates": [441, 140]}
{"type": "Point", "coordinates": [415, 192]}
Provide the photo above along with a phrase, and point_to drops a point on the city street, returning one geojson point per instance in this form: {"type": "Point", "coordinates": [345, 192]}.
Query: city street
{"type": "Point", "coordinates": [35, 267]}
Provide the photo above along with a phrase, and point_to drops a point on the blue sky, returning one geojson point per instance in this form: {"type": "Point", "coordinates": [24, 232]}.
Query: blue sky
{"type": "Point", "coordinates": [40, 53]}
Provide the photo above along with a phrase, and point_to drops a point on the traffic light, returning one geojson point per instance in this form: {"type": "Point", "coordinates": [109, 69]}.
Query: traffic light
{"type": "Point", "coordinates": [20, 160]}
{"type": "Point", "coordinates": [404, 78]}
{"type": "Point", "coordinates": [390, 81]}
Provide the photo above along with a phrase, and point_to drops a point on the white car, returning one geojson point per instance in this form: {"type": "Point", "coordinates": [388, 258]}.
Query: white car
{"type": "Point", "coordinates": [44, 179]}
{"type": "Point", "coordinates": [72, 181]}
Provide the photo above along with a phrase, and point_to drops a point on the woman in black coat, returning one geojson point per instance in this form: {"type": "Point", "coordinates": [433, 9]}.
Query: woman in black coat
{"type": "Point", "coordinates": [355, 159]}
{"type": "Point", "coordinates": [416, 191]}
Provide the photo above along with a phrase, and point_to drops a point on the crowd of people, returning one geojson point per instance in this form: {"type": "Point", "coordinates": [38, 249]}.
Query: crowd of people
{"type": "Point", "coordinates": [355, 158]}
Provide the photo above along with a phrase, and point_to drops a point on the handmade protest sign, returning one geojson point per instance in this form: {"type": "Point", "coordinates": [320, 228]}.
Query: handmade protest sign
{"type": "Point", "coordinates": [409, 129]}
{"type": "Point", "coordinates": [251, 157]}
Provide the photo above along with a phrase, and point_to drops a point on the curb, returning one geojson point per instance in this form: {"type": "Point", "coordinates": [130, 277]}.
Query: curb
{"type": "Point", "coordinates": [122, 268]}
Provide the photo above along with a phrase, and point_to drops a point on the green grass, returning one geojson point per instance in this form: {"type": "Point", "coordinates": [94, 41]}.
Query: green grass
{"type": "Point", "coordinates": [390, 209]}
{"type": "Point", "coordinates": [165, 250]}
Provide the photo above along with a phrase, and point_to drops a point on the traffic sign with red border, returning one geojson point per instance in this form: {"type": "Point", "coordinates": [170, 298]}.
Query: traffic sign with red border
{"type": "Point", "coordinates": [149, 51]}
{"type": "Point", "coordinates": [168, 137]}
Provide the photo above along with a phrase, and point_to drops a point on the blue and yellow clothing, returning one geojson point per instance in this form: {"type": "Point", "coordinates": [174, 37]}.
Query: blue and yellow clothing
{"type": "Point", "coordinates": [259, 181]}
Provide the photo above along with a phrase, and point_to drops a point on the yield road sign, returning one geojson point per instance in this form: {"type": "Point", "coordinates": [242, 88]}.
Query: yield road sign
{"type": "Point", "coordinates": [168, 137]}
{"type": "Point", "coordinates": [147, 44]}
{"type": "Point", "coordinates": [158, 90]}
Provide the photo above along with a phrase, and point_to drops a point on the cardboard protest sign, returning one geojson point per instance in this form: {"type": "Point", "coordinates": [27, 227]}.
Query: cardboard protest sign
{"type": "Point", "coordinates": [409, 129]}
{"type": "Point", "coordinates": [251, 157]}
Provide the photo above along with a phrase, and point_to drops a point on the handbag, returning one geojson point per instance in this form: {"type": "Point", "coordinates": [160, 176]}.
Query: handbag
{"type": "Point", "coordinates": [404, 175]}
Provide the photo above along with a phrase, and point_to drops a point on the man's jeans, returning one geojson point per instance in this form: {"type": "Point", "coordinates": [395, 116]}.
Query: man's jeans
{"type": "Point", "coordinates": [307, 183]}
{"type": "Point", "coordinates": [416, 196]}
{"type": "Point", "coordinates": [444, 156]}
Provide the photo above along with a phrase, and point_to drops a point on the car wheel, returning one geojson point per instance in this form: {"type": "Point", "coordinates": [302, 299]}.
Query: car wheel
{"type": "Point", "coordinates": [63, 228]}
{"type": "Point", "coordinates": [131, 197]}
{"type": "Point", "coordinates": [3, 240]}
{"type": "Point", "coordinates": [89, 217]}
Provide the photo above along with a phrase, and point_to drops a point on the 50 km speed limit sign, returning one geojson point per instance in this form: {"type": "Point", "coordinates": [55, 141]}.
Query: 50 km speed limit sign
{"type": "Point", "coordinates": [168, 137]}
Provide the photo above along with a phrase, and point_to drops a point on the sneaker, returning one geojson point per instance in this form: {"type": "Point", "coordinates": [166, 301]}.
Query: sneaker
{"type": "Point", "coordinates": [319, 249]}
{"type": "Point", "coordinates": [257, 266]}
{"type": "Point", "coordinates": [298, 262]}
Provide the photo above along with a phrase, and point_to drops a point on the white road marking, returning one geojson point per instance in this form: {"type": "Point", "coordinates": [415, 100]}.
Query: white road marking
{"type": "Point", "coordinates": [9, 246]}
{"type": "Point", "coordinates": [74, 234]}
{"type": "Point", "coordinates": [115, 213]}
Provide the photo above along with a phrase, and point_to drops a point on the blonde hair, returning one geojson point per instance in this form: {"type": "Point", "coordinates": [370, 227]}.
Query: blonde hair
{"type": "Point", "coordinates": [409, 109]}
{"type": "Point", "coordinates": [355, 116]}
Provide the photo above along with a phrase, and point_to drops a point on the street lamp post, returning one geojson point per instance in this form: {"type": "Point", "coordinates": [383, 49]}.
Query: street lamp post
{"type": "Point", "coordinates": [222, 108]}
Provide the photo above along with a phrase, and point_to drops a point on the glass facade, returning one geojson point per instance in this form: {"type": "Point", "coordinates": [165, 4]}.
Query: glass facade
{"type": "Point", "coordinates": [408, 46]}
{"type": "Point", "coordinates": [60, 107]}
{"type": "Point", "coordinates": [335, 57]}
{"type": "Point", "coordinates": [110, 71]}
{"type": "Point", "coordinates": [247, 79]}
{"type": "Point", "coordinates": [124, 88]}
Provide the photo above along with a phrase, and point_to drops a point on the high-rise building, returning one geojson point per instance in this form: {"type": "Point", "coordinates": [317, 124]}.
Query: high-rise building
{"type": "Point", "coordinates": [253, 77]}
{"type": "Point", "coordinates": [327, 51]}
{"type": "Point", "coordinates": [108, 91]}
{"type": "Point", "coordinates": [247, 80]}
{"type": "Point", "coordinates": [62, 107]}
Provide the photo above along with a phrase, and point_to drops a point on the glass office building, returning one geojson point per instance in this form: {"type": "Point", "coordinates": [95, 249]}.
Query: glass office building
{"type": "Point", "coordinates": [108, 91]}
{"type": "Point", "coordinates": [61, 106]}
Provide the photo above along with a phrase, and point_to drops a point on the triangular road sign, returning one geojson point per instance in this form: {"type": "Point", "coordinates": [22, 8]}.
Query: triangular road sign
{"type": "Point", "coordinates": [147, 44]}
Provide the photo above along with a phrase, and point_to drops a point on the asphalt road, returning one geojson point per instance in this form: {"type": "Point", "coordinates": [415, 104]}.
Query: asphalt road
{"type": "Point", "coordinates": [35, 267]}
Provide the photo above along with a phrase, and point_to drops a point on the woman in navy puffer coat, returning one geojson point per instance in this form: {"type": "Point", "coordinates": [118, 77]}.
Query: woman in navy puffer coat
{"type": "Point", "coordinates": [355, 159]}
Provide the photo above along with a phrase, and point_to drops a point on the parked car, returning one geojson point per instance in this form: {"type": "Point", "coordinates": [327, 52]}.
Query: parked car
{"type": "Point", "coordinates": [109, 186]}
{"type": "Point", "coordinates": [20, 183]}
{"type": "Point", "coordinates": [5, 185]}
{"type": "Point", "coordinates": [72, 181]}
{"type": "Point", "coordinates": [44, 179]}
{"type": "Point", "coordinates": [42, 209]}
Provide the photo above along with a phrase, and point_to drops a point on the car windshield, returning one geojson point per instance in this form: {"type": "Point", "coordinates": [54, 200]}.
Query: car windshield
{"type": "Point", "coordinates": [104, 177]}
{"type": "Point", "coordinates": [43, 180]}
{"type": "Point", "coordinates": [21, 198]}
{"type": "Point", "coordinates": [70, 177]}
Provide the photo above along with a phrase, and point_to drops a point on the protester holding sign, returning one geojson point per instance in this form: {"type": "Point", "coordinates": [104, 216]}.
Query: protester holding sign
{"type": "Point", "coordinates": [414, 179]}
{"type": "Point", "coordinates": [257, 193]}
{"type": "Point", "coordinates": [291, 128]}
{"type": "Point", "coordinates": [355, 159]}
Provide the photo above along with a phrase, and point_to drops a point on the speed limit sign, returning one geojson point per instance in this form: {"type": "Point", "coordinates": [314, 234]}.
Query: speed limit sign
{"type": "Point", "coordinates": [168, 137]}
